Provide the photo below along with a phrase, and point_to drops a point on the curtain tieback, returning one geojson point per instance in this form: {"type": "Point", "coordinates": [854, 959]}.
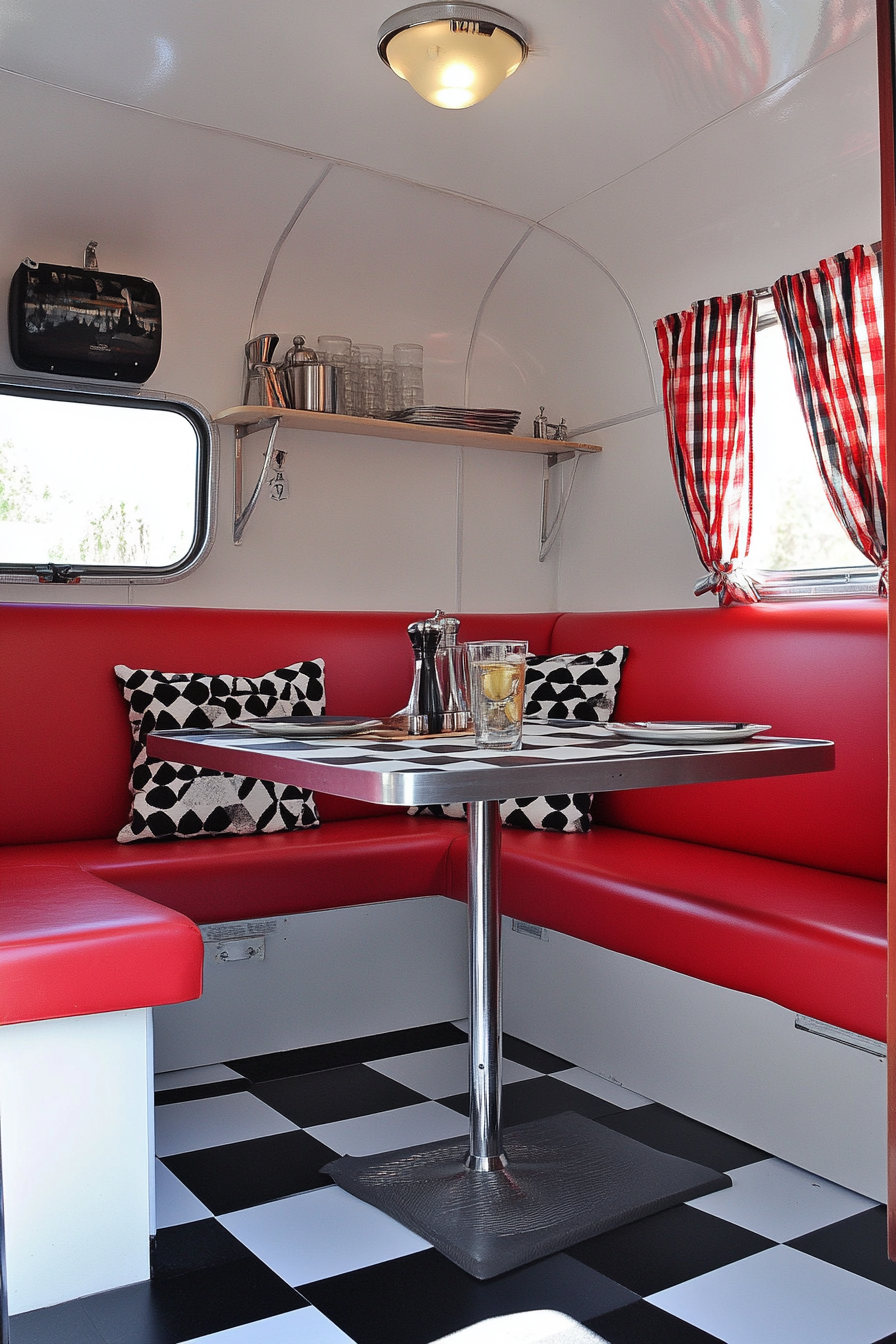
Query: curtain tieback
{"type": "Point", "coordinates": [730, 580]}
{"type": "Point", "coordinates": [883, 582]}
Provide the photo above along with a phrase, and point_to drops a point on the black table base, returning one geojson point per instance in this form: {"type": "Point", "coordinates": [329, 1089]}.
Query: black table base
{"type": "Point", "coordinates": [567, 1178]}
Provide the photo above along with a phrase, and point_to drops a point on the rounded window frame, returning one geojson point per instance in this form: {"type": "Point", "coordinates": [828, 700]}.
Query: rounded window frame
{"type": "Point", "coordinates": [205, 503]}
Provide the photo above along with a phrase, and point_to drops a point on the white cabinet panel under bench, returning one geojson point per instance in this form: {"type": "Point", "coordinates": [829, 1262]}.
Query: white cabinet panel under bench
{"type": "Point", "coordinates": [326, 975]}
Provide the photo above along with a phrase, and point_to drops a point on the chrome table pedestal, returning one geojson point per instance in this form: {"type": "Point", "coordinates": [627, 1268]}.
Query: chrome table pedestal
{"type": "Point", "coordinates": [500, 1200]}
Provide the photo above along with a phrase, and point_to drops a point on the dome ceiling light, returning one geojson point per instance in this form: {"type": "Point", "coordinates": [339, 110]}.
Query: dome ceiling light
{"type": "Point", "coordinates": [453, 55]}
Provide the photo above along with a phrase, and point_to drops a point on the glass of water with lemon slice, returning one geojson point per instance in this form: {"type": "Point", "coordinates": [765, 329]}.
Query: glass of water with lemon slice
{"type": "Point", "coordinates": [497, 681]}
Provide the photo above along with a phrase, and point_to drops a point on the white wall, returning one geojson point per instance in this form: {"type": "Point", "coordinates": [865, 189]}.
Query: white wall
{"type": "Point", "coordinates": [565, 320]}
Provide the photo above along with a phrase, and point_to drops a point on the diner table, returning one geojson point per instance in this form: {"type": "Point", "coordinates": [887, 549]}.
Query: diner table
{"type": "Point", "coordinates": [501, 1198]}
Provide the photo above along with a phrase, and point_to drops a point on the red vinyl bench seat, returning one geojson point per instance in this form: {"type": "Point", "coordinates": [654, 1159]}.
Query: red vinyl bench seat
{"type": "Point", "coordinates": [253, 876]}
{"type": "Point", "coordinates": [774, 887]}
{"type": "Point", "coordinates": [72, 943]}
{"type": "Point", "coordinates": [811, 940]}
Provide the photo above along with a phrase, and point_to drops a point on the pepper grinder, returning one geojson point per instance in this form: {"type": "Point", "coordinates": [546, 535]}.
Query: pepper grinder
{"type": "Point", "coordinates": [449, 666]}
{"type": "Point", "coordinates": [425, 707]}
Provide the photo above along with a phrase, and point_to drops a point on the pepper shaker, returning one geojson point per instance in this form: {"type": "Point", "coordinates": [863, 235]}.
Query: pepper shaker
{"type": "Point", "coordinates": [425, 713]}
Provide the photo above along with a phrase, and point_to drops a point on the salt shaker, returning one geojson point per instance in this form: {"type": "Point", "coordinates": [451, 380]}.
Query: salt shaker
{"type": "Point", "coordinates": [450, 671]}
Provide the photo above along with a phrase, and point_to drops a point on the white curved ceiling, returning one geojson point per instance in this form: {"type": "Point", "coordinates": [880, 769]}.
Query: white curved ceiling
{"type": "Point", "coordinates": [625, 79]}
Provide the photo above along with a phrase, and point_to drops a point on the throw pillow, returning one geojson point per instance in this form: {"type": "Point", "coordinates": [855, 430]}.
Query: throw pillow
{"type": "Point", "coordinates": [573, 685]}
{"type": "Point", "coordinates": [184, 801]}
{"type": "Point", "coordinates": [557, 812]}
{"type": "Point", "coordinates": [558, 686]}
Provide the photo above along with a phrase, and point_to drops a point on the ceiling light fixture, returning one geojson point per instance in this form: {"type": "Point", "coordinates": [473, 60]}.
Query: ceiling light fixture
{"type": "Point", "coordinates": [453, 55]}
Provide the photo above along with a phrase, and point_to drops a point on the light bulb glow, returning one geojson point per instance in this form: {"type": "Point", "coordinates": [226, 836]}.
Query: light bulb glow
{"type": "Point", "coordinates": [458, 76]}
{"type": "Point", "coordinates": [453, 69]}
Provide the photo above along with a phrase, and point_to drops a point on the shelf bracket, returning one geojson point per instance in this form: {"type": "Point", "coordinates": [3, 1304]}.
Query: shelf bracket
{"type": "Point", "coordinates": [550, 533]}
{"type": "Point", "coordinates": [241, 515]}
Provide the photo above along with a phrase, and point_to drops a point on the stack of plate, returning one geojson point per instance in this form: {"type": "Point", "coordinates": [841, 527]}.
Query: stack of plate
{"type": "Point", "coordinates": [491, 420]}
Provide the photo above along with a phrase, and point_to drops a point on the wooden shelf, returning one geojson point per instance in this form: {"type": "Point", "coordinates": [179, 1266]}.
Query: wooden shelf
{"type": "Point", "coordinates": [397, 429]}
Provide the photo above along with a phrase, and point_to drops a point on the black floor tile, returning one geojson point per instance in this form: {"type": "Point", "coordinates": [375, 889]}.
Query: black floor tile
{"type": "Point", "coordinates": [286, 1063]}
{"type": "Point", "coordinates": [188, 1306]}
{"type": "Point", "coordinates": [66, 1324]}
{"type": "Point", "coordinates": [190, 1246]}
{"type": "Point", "coordinates": [335, 1094]}
{"type": "Point", "coordinates": [858, 1244]}
{"type": "Point", "coordinates": [643, 1323]}
{"type": "Point", "coordinates": [667, 1248]}
{"type": "Point", "coordinates": [255, 1171]}
{"type": "Point", "coordinates": [171, 1094]}
{"type": "Point", "coordinates": [421, 1297]}
{"type": "Point", "coordinates": [521, 1052]}
{"type": "Point", "coordinates": [536, 1098]}
{"type": "Point", "coordinates": [677, 1134]}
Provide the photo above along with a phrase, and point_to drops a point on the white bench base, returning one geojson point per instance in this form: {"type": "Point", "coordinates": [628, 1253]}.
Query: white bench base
{"type": "Point", "coordinates": [731, 1060]}
{"type": "Point", "coordinates": [76, 1138]}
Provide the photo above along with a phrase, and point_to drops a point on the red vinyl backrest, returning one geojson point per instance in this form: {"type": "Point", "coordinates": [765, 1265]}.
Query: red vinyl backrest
{"type": "Point", "coordinates": [64, 735]}
{"type": "Point", "coordinates": [810, 669]}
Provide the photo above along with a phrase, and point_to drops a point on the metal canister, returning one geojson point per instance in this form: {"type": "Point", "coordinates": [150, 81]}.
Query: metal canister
{"type": "Point", "coordinates": [296, 361]}
{"type": "Point", "coordinates": [318, 385]}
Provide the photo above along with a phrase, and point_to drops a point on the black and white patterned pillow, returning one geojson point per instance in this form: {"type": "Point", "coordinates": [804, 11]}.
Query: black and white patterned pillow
{"type": "Point", "coordinates": [558, 686]}
{"type": "Point", "coordinates": [557, 812]}
{"type": "Point", "coordinates": [566, 686]}
{"type": "Point", "coordinates": [573, 685]}
{"type": "Point", "coordinates": [185, 801]}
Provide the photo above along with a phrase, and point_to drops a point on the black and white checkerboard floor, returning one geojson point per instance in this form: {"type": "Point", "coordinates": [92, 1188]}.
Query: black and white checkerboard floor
{"type": "Point", "coordinates": [256, 1247]}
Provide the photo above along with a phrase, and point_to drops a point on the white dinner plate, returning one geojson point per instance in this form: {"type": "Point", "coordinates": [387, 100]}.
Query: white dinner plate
{"type": "Point", "coordinates": [692, 733]}
{"type": "Point", "coordinates": [322, 725]}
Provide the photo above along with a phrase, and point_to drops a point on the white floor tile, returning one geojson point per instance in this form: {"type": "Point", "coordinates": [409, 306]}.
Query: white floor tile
{"type": "Point", "coordinates": [320, 1233]}
{"type": "Point", "coordinates": [199, 1077]}
{"type": "Point", "coordinates": [174, 1202]}
{"type": "Point", "coordinates": [443, 1072]}
{"type": "Point", "coordinates": [427, 1122]}
{"type": "Point", "coordinates": [781, 1296]}
{"type": "Point", "coordinates": [307, 1326]}
{"type": "Point", "coordinates": [780, 1201]}
{"type": "Point", "coordinates": [603, 1088]}
{"type": "Point", "coordinates": [185, 1126]}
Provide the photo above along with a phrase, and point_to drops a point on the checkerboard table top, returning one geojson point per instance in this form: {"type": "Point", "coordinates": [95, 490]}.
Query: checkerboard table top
{"type": "Point", "coordinates": [554, 759]}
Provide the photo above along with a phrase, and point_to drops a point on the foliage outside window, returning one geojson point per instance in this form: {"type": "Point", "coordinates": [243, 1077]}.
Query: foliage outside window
{"type": "Point", "coordinates": [101, 488]}
{"type": "Point", "coordinates": [799, 547]}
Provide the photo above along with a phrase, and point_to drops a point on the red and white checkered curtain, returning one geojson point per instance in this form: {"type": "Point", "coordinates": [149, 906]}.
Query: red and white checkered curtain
{"type": "Point", "coordinates": [707, 354]}
{"type": "Point", "coordinates": [833, 321]}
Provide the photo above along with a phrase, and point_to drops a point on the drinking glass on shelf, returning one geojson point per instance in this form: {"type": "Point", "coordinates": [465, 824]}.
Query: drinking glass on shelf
{"type": "Point", "coordinates": [408, 375]}
{"type": "Point", "coordinates": [355, 381]}
{"type": "Point", "coordinates": [390, 390]}
{"type": "Point", "coordinates": [370, 368]}
{"type": "Point", "coordinates": [338, 350]}
{"type": "Point", "coordinates": [496, 672]}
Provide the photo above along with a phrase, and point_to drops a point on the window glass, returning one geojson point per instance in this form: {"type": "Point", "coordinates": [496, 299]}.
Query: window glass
{"type": "Point", "coordinates": [102, 484]}
{"type": "Point", "coordinates": [794, 526]}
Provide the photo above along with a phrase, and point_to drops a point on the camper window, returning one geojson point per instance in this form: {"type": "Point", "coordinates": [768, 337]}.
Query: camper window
{"type": "Point", "coordinates": [799, 547]}
{"type": "Point", "coordinates": [102, 488]}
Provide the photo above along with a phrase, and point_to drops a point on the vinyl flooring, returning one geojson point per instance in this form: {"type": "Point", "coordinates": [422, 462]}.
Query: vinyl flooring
{"type": "Point", "coordinates": [255, 1246]}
